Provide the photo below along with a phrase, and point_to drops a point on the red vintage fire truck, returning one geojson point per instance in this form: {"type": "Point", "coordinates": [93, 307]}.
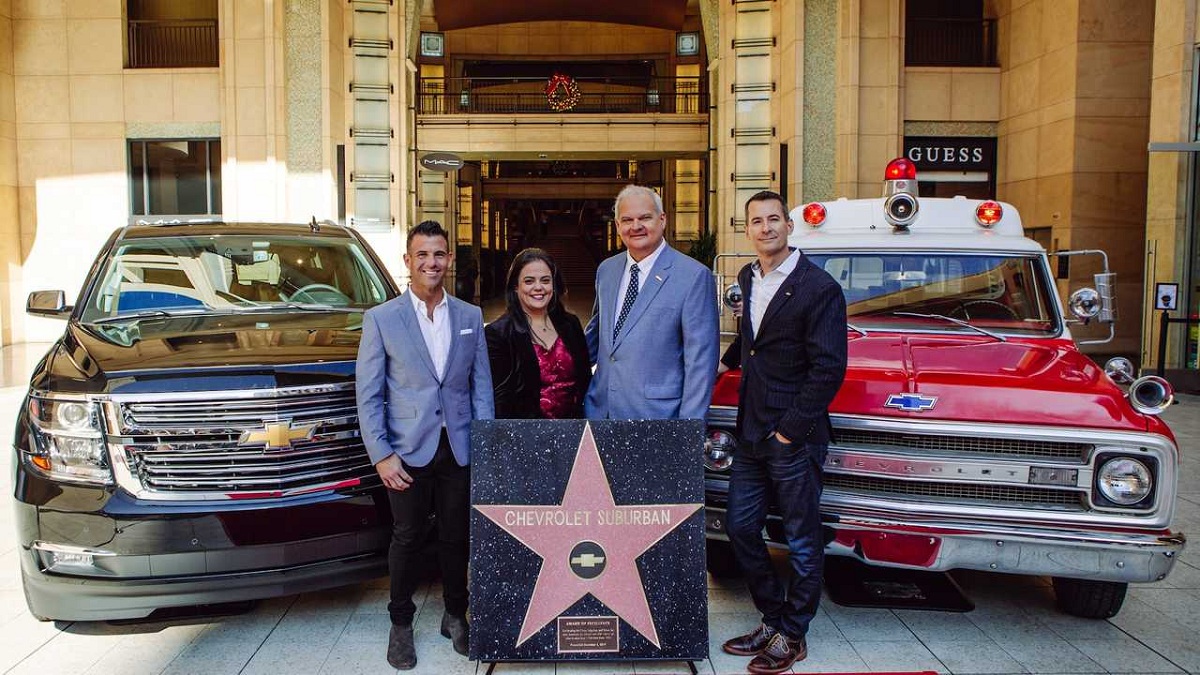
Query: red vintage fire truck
{"type": "Point", "coordinates": [971, 432]}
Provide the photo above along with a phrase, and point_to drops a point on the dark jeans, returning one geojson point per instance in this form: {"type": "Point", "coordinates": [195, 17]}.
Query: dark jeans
{"type": "Point", "coordinates": [792, 475]}
{"type": "Point", "coordinates": [442, 487]}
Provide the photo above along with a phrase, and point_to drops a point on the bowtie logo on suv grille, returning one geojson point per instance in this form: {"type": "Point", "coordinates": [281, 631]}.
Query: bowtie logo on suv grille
{"type": "Point", "coordinates": [278, 435]}
{"type": "Point", "coordinates": [911, 402]}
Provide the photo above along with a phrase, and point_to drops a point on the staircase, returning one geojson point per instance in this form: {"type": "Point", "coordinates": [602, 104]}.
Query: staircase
{"type": "Point", "coordinates": [574, 261]}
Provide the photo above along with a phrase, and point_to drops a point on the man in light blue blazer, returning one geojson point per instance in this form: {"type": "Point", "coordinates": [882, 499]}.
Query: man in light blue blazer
{"type": "Point", "coordinates": [422, 376]}
{"type": "Point", "coordinates": [653, 334]}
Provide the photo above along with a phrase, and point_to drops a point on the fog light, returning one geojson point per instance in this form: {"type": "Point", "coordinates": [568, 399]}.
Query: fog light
{"type": "Point", "coordinates": [1124, 481]}
{"type": "Point", "coordinates": [718, 450]}
{"type": "Point", "coordinates": [71, 559]}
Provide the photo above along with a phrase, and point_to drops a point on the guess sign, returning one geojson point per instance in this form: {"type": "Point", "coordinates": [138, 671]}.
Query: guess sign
{"type": "Point", "coordinates": [932, 153]}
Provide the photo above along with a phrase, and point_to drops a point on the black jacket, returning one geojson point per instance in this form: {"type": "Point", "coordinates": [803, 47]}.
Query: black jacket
{"type": "Point", "coordinates": [794, 367]}
{"type": "Point", "coordinates": [516, 377]}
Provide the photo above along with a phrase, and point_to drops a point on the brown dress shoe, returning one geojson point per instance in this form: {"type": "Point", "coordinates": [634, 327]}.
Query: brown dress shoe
{"type": "Point", "coordinates": [401, 654]}
{"type": "Point", "coordinates": [455, 628]}
{"type": "Point", "coordinates": [751, 643]}
{"type": "Point", "coordinates": [779, 655]}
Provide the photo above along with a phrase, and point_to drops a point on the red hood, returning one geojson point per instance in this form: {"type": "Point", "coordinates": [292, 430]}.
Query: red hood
{"type": "Point", "coordinates": [975, 379]}
{"type": "Point", "coordinates": [1043, 382]}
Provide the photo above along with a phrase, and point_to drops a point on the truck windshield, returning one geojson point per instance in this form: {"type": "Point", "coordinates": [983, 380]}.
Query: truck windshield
{"type": "Point", "coordinates": [1003, 294]}
{"type": "Point", "coordinates": [223, 273]}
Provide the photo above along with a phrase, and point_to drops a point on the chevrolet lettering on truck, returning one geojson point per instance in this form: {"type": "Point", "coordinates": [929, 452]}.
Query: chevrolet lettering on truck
{"type": "Point", "coordinates": [971, 432]}
{"type": "Point", "coordinates": [192, 438]}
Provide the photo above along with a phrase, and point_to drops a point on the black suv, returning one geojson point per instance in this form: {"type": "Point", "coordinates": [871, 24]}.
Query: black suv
{"type": "Point", "coordinates": [192, 437]}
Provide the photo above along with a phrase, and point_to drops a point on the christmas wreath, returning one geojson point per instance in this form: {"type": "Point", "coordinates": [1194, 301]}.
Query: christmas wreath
{"type": "Point", "coordinates": [562, 92]}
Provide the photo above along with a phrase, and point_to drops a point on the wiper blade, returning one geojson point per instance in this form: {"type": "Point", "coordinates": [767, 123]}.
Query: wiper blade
{"type": "Point", "coordinates": [149, 314]}
{"type": "Point", "coordinates": [301, 306]}
{"type": "Point", "coordinates": [856, 329]}
{"type": "Point", "coordinates": [958, 322]}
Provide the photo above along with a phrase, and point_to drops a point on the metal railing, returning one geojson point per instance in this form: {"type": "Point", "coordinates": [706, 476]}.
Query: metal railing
{"type": "Point", "coordinates": [172, 43]}
{"type": "Point", "coordinates": [465, 95]}
{"type": "Point", "coordinates": [950, 42]}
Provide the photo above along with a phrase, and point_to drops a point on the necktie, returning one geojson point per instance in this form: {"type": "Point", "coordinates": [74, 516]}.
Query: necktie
{"type": "Point", "coordinates": [630, 296]}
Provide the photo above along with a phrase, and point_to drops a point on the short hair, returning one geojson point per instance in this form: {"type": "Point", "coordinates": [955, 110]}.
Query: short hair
{"type": "Point", "coordinates": [513, 303]}
{"type": "Point", "coordinates": [767, 196]}
{"type": "Point", "coordinates": [638, 190]}
{"type": "Point", "coordinates": [428, 228]}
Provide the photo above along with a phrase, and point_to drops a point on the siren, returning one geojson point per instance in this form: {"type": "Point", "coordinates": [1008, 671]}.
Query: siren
{"type": "Point", "coordinates": [900, 189]}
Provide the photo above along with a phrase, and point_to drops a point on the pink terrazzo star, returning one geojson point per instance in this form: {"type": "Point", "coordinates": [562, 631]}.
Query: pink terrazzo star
{"type": "Point", "coordinates": [588, 514]}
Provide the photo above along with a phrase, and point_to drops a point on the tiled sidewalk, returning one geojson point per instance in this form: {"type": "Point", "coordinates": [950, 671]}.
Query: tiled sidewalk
{"type": "Point", "coordinates": [1014, 628]}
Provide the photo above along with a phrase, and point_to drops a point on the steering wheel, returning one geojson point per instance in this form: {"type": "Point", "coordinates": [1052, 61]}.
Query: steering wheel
{"type": "Point", "coordinates": [339, 297]}
{"type": "Point", "coordinates": [1007, 312]}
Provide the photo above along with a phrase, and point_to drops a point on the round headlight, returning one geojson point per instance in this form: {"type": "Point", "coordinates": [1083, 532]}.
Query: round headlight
{"type": "Point", "coordinates": [72, 415]}
{"type": "Point", "coordinates": [718, 450]}
{"type": "Point", "coordinates": [1124, 481]}
{"type": "Point", "coordinates": [1151, 395]}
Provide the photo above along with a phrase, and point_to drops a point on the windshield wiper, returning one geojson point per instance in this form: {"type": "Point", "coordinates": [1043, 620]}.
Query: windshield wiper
{"type": "Point", "coordinates": [301, 306]}
{"type": "Point", "coordinates": [856, 329]}
{"type": "Point", "coordinates": [958, 322]}
{"type": "Point", "coordinates": [150, 314]}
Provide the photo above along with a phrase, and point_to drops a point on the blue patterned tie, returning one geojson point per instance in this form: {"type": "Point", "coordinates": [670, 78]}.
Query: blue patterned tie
{"type": "Point", "coordinates": [630, 297]}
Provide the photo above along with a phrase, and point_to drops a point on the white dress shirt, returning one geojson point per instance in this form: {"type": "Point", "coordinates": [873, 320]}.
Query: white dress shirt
{"type": "Point", "coordinates": [644, 266]}
{"type": "Point", "coordinates": [436, 331]}
{"type": "Point", "coordinates": [762, 291]}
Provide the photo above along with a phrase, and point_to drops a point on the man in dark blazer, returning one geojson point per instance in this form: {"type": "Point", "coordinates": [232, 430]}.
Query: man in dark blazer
{"type": "Point", "coordinates": [792, 350]}
{"type": "Point", "coordinates": [422, 376]}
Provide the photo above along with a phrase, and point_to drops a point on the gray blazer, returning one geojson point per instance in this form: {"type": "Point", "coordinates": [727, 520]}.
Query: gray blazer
{"type": "Point", "coordinates": [401, 403]}
{"type": "Point", "coordinates": [664, 362]}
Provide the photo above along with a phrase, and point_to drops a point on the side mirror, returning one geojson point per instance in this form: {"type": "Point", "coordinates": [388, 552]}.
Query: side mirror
{"type": "Point", "coordinates": [50, 304]}
{"type": "Point", "coordinates": [732, 296]}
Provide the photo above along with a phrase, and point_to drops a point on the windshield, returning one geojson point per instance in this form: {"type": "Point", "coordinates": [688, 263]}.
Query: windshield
{"type": "Point", "coordinates": [1003, 294]}
{"type": "Point", "coordinates": [207, 274]}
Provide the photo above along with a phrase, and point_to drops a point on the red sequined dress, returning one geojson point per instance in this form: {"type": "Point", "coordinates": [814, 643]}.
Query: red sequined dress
{"type": "Point", "coordinates": [558, 399]}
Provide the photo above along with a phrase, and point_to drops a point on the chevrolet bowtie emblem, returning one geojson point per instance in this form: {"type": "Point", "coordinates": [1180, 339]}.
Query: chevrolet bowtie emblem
{"type": "Point", "coordinates": [278, 435]}
{"type": "Point", "coordinates": [911, 402]}
{"type": "Point", "coordinates": [587, 560]}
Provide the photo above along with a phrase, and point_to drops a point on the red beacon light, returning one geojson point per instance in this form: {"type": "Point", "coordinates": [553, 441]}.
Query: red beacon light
{"type": "Point", "coordinates": [988, 213]}
{"type": "Point", "coordinates": [900, 168]}
{"type": "Point", "coordinates": [814, 214]}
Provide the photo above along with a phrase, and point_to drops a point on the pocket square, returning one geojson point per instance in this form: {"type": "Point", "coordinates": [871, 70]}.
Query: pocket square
{"type": "Point", "coordinates": [466, 331]}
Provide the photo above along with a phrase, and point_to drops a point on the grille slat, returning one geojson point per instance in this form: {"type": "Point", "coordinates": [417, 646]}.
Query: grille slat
{"type": "Point", "coordinates": [964, 446]}
{"type": "Point", "coordinates": [949, 492]}
{"type": "Point", "coordinates": [191, 447]}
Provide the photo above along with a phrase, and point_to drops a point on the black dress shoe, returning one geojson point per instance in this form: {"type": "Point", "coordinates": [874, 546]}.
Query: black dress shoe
{"type": "Point", "coordinates": [778, 657]}
{"type": "Point", "coordinates": [751, 643]}
{"type": "Point", "coordinates": [401, 653]}
{"type": "Point", "coordinates": [455, 628]}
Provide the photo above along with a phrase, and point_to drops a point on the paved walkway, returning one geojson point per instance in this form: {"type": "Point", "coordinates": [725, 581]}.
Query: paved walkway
{"type": "Point", "coordinates": [1014, 628]}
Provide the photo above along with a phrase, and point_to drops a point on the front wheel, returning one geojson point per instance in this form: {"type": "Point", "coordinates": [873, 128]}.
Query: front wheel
{"type": "Point", "coordinates": [1089, 599]}
{"type": "Point", "coordinates": [719, 560]}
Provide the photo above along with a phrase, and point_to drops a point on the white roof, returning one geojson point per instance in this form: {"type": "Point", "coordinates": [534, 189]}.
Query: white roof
{"type": "Point", "coordinates": [940, 224]}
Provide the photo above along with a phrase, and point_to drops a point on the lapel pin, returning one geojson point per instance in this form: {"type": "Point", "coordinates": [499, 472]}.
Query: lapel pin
{"type": "Point", "coordinates": [658, 277]}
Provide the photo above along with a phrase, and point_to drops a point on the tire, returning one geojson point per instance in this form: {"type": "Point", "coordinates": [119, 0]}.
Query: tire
{"type": "Point", "coordinates": [1089, 599]}
{"type": "Point", "coordinates": [719, 560]}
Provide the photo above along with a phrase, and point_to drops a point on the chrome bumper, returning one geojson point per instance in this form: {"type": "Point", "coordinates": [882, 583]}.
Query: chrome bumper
{"type": "Point", "coordinates": [1077, 554]}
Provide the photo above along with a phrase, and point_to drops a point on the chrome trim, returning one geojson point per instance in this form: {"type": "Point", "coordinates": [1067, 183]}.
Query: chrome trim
{"type": "Point", "coordinates": [916, 467]}
{"type": "Point", "coordinates": [63, 548]}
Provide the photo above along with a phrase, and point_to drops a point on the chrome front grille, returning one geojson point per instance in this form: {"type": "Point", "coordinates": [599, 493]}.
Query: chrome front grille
{"type": "Point", "coordinates": [867, 439]}
{"type": "Point", "coordinates": [970, 493]}
{"type": "Point", "coordinates": [252, 445]}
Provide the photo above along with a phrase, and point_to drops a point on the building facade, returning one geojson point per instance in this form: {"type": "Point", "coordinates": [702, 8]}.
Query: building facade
{"type": "Point", "coordinates": [516, 123]}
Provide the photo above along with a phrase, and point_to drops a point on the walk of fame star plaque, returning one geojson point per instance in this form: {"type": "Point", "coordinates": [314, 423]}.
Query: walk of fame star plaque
{"type": "Point", "coordinates": [587, 540]}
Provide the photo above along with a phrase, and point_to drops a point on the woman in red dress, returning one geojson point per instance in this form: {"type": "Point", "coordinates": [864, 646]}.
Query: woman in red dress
{"type": "Point", "coordinates": [538, 354]}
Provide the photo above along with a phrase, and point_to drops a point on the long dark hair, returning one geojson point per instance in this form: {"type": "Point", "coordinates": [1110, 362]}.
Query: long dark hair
{"type": "Point", "coordinates": [529, 255]}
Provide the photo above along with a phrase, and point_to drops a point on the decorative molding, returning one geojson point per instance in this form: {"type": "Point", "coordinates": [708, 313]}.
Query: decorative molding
{"type": "Point", "coordinates": [932, 128]}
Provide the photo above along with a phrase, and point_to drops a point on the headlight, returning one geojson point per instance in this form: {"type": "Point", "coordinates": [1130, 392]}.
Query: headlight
{"type": "Point", "coordinates": [718, 450]}
{"type": "Point", "coordinates": [68, 442]}
{"type": "Point", "coordinates": [1124, 481]}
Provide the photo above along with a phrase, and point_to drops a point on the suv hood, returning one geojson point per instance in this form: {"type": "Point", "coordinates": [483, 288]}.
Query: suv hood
{"type": "Point", "coordinates": [978, 379]}
{"type": "Point", "coordinates": [111, 357]}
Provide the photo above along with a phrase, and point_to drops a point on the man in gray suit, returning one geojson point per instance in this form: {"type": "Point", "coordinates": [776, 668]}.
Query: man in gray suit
{"type": "Point", "coordinates": [422, 376]}
{"type": "Point", "coordinates": [653, 334]}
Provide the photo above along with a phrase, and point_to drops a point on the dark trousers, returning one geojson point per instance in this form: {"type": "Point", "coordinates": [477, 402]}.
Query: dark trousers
{"type": "Point", "coordinates": [791, 474]}
{"type": "Point", "coordinates": [444, 488]}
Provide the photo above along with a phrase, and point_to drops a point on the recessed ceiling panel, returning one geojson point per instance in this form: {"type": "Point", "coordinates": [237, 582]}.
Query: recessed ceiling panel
{"type": "Point", "coordinates": [453, 14]}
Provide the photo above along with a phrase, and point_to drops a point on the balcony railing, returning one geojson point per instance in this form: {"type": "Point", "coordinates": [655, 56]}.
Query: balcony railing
{"type": "Point", "coordinates": [175, 43]}
{"type": "Point", "coordinates": [464, 95]}
{"type": "Point", "coordinates": [950, 42]}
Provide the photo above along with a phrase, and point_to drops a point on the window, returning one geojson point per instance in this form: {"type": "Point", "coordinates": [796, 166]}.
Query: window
{"type": "Point", "coordinates": [171, 34]}
{"type": "Point", "coordinates": [175, 177]}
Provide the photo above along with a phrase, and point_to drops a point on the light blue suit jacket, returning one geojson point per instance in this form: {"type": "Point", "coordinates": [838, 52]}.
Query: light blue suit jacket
{"type": "Point", "coordinates": [664, 362]}
{"type": "Point", "coordinates": [401, 403]}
